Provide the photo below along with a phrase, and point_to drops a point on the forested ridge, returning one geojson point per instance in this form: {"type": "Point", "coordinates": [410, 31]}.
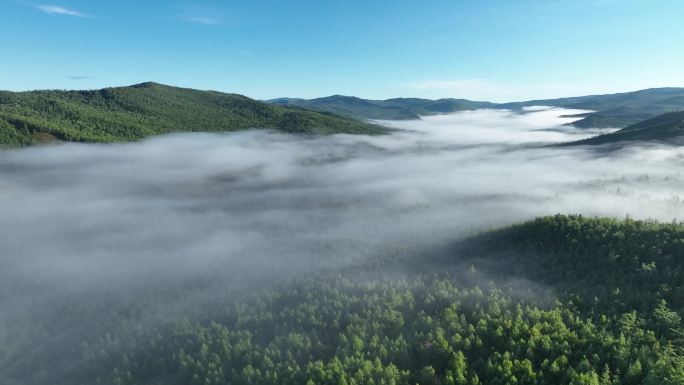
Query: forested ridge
{"type": "Point", "coordinates": [132, 113]}
{"type": "Point", "coordinates": [557, 300]}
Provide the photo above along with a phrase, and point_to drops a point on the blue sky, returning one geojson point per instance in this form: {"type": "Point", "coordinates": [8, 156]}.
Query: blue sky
{"type": "Point", "coordinates": [498, 50]}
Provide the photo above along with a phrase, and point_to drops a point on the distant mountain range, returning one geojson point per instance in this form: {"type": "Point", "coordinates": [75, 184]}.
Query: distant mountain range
{"type": "Point", "coordinates": [142, 110]}
{"type": "Point", "coordinates": [390, 109]}
{"type": "Point", "coordinates": [661, 128]}
{"type": "Point", "coordinates": [613, 110]}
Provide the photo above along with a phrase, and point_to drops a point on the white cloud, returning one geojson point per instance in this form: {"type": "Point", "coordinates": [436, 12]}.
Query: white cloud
{"type": "Point", "coordinates": [201, 20]}
{"type": "Point", "coordinates": [57, 10]}
{"type": "Point", "coordinates": [197, 14]}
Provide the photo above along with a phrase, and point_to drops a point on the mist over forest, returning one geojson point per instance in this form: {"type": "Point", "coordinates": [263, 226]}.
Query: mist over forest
{"type": "Point", "coordinates": [202, 220]}
{"type": "Point", "coordinates": [183, 204]}
{"type": "Point", "coordinates": [342, 193]}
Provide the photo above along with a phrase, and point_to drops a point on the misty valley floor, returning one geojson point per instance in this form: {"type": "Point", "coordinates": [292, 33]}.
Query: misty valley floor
{"type": "Point", "coordinates": [264, 258]}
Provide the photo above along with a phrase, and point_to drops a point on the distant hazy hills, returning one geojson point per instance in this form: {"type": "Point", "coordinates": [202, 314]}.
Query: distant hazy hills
{"type": "Point", "coordinates": [617, 110]}
{"type": "Point", "coordinates": [399, 108]}
{"type": "Point", "coordinates": [661, 128]}
{"type": "Point", "coordinates": [652, 114]}
{"type": "Point", "coordinates": [614, 110]}
{"type": "Point", "coordinates": [142, 110]}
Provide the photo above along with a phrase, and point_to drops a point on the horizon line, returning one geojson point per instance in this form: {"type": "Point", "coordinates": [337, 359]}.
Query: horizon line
{"type": "Point", "coordinates": [338, 94]}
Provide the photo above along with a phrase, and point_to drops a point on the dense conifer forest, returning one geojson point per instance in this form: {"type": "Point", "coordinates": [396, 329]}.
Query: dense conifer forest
{"type": "Point", "coordinates": [557, 300]}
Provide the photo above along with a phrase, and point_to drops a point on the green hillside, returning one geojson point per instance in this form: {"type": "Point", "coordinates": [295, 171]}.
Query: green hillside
{"type": "Point", "coordinates": [139, 111]}
{"type": "Point", "coordinates": [661, 128]}
{"type": "Point", "coordinates": [399, 108]}
{"type": "Point", "coordinates": [558, 300]}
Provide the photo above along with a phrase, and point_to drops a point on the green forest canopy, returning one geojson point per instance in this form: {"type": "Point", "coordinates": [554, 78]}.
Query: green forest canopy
{"type": "Point", "coordinates": [557, 300]}
{"type": "Point", "coordinates": [139, 111]}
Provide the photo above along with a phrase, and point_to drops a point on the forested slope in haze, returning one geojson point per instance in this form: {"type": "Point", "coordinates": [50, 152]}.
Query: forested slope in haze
{"type": "Point", "coordinates": [558, 300]}
{"type": "Point", "coordinates": [617, 110]}
{"type": "Point", "coordinates": [135, 112]}
{"type": "Point", "coordinates": [662, 128]}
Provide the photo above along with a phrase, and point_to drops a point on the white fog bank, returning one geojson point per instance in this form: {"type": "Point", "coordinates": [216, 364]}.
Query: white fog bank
{"type": "Point", "coordinates": [259, 203]}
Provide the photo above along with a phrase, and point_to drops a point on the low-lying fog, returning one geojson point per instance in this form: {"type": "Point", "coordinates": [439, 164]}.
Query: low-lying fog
{"type": "Point", "coordinates": [259, 204]}
{"type": "Point", "coordinates": [179, 226]}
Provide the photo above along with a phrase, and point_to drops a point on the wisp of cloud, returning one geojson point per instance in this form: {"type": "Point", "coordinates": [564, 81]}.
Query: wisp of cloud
{"type": "Point", "coordinates": [57, 10]}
